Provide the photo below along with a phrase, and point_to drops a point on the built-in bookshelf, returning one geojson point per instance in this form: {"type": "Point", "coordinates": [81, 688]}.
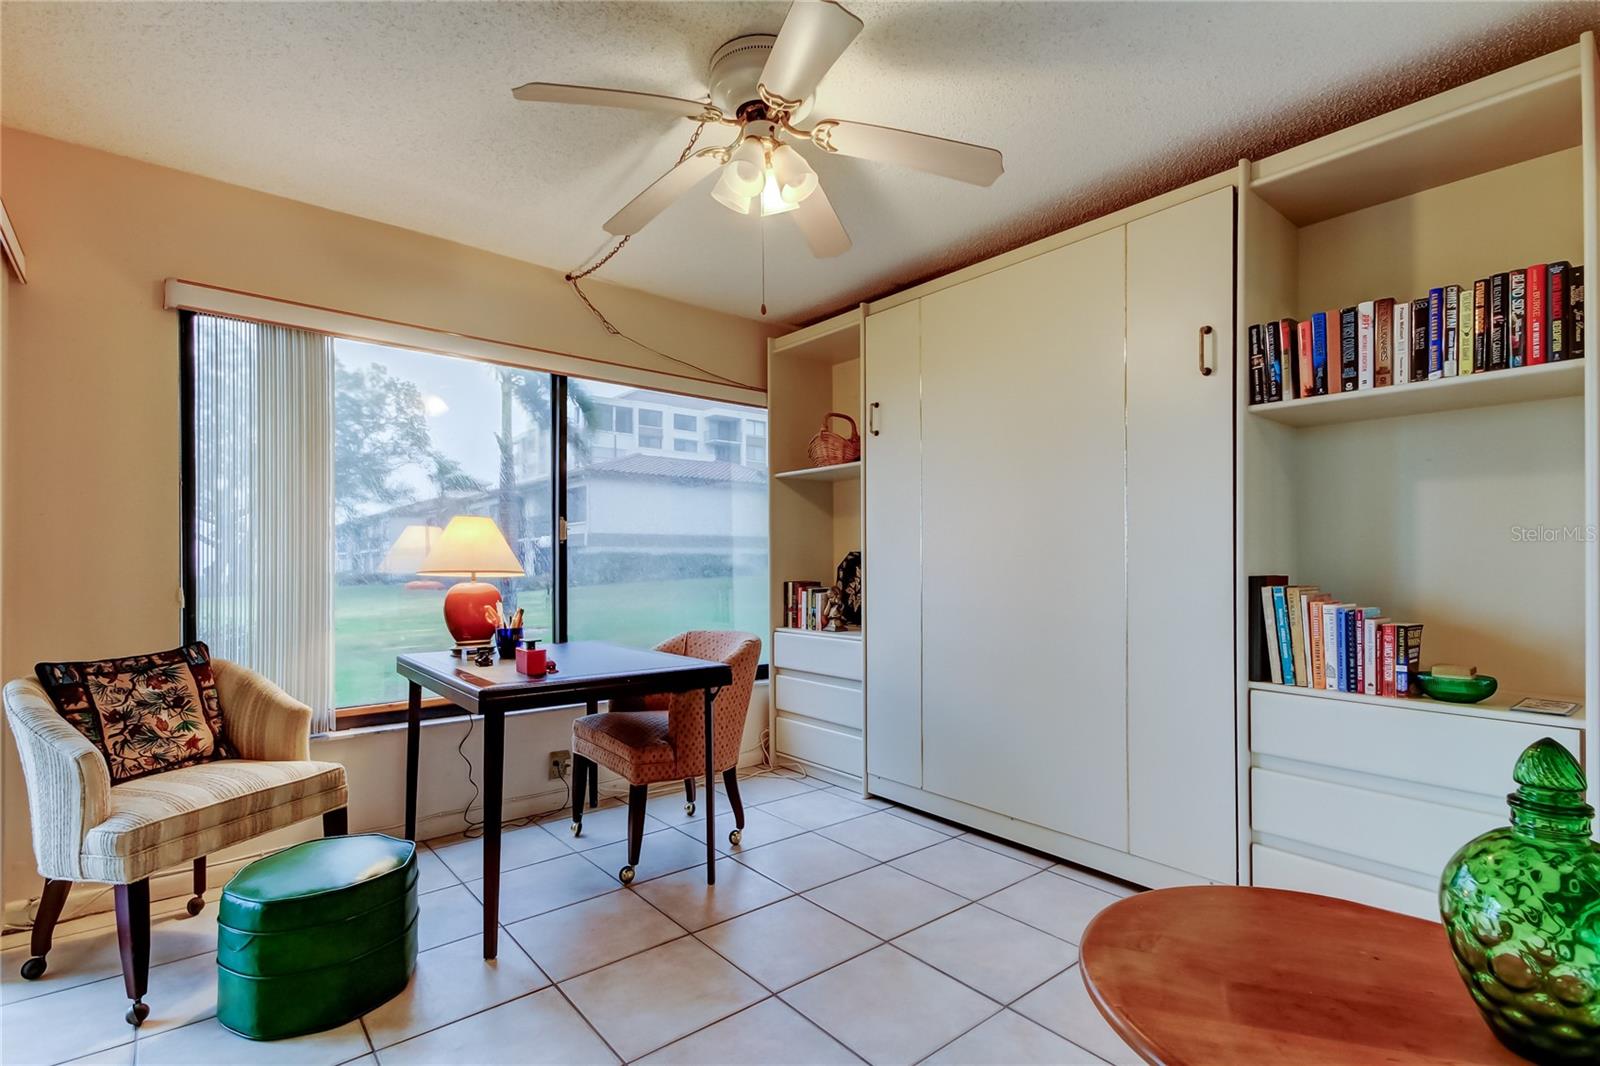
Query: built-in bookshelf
{"type": "Point", "coordinates": [1467, 504]}
{"type": "Point", "coordinates": [817, 717]}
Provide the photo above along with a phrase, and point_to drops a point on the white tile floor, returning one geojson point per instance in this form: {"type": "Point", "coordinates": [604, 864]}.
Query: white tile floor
{"type": "Point", "coordinates": [840, 931]}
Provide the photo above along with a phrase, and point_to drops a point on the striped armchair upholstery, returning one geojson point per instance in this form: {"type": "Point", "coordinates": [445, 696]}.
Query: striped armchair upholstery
{"type": "Point", "coordinates": [87, 829]}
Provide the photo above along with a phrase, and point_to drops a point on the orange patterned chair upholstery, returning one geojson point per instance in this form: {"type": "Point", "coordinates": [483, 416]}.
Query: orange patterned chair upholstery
{"type": "Point", "coordinates": [662, 737]}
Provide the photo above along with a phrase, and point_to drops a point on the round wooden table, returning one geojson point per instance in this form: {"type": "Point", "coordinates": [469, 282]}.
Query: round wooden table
{"type": "Point", "coordinates": [1256, 975]}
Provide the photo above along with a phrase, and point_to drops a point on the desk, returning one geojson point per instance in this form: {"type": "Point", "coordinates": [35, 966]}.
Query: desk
{"type": "Point", "coordinates": [1224, 974]}
{"type": "Point", "coordinates": [589, 671]}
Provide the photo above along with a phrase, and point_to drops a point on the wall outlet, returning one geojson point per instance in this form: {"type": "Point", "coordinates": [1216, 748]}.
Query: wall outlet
{"type": "Point", "coordinates": [560, 764]}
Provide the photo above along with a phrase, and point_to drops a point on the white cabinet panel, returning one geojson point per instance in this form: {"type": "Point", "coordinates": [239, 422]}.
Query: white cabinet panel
{"type": "Point", "coordinates": [892, 557]}
{"type": "Point", "coordinates": [824, 699]}
{"type": "Point", "coordinates": [1023, 625]}
{"type": "Point", "coordinates": [837, 749]}
{"type": "Point", "coordinates": [1181, 738]}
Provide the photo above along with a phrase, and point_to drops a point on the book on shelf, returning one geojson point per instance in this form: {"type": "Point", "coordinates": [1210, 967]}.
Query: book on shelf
{"type": "Point", "coordinates": [1290, 355]}
{"type": "Point", "coordinates": [1269, 333]}
{"type": "Point", "coordinates": [1319, 353]}
{"type": "Point", "coordinates": [1402, 341]}
{"type": "Point", "coordinates": [1296, 597]}
{"type": "Point", "coordinates": [1449, 343]}
{"type": "Point", "coordinates": [1517, 318]}
{"type": "Point", "coordinates": [1435, 333]}
{"type": "Point", "coordinates": [1305, 352]}
{"type": "Point", "coordinates": [799, 600]}
{"type": "Point", "coordinates": [1258, 366]}
{"type": "Point", "coordinates": [1497, 322]}
{"type": "Point", "coordinates": [1383, 342]}
{"type": "Point", "coordinates": [1366, 364]}
{"type": "Point", "coordinates": [1407, 658]}
{"type": "Point", "coordinates": [1419, 340]}
{"type": "Point", "coordinates": [1269, 618]}
{"type": "Point", "coordinates": [1558, 327]}
{"type": "Point", "coordinates": [1372, 654]}
{"type": "Point", "coordinates": [1538, 323]}
{"type": "Point", "coordinates": [1280, 614]}
{"type": "Point", "coordinates": [1349, 350]}
{"type": "Point", "coordinates": [1464, 330]}
{"type": "Point", "coordinates": [1575, 310]}
{"type": "Point", "coordinates": [1480, 326]}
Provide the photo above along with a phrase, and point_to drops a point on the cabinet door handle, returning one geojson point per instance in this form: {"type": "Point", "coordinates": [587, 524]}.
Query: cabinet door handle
{"type": "Point", "coordinates": [872, 419]}
{"type": "Point", "coordinates": [1205, 371]}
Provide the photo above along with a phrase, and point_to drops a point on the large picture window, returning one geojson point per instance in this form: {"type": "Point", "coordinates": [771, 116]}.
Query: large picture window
{"type": "Point", "coordinates": [402, 441]}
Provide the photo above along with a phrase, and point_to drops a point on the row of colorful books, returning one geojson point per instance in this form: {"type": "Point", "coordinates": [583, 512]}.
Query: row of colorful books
{"type": "Point", "coordinates": [1517, 318]}
{"type": "Point", "coordinates": [1312, 640]}
{"type": "Point", "coordinates": [805, 604]}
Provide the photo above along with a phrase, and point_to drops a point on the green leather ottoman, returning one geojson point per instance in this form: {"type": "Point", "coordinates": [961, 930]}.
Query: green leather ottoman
{"type": "Point", "coordinates": [316, 935]}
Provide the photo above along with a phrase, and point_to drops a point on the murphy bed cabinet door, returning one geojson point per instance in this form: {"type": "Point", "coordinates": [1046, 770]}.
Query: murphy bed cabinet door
{"type": "Point", "coordinates": [1181, 739]}
{"type": "Point", "coordinates": [1023, 659]}
{"type": "Point", "coordinates": [892, 556]}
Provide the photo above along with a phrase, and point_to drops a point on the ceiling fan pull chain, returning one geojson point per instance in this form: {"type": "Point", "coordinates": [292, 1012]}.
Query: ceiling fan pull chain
{"type": "Point", "coordinates": [762, 223]}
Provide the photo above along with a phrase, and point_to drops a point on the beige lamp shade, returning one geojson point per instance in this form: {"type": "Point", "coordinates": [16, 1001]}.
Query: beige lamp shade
{"type": "Point", "coordinates": [473, 546]}
{"type": "Point", "coordinates": [409, 549]}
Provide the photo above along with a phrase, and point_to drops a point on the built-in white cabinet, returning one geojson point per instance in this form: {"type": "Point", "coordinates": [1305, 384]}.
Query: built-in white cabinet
{"type": "Point", "coordinates": [1181, 736]}
{"type": "Point", "coordinates": [1003, 524]}
{"type": "Point", "coordinates": [892, 460]}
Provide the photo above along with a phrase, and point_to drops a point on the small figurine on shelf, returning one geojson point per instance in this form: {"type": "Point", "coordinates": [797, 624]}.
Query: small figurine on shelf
{"type": "Point", "coordinates": [844, 605]}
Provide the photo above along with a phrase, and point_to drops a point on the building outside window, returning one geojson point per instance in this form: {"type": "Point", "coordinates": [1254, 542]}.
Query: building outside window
{"type": "Point", "coordinates": [685, 423]}
{"type": "Point", "coordinates": [649, 428]}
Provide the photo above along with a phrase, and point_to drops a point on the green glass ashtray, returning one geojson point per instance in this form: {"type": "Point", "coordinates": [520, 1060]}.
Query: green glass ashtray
{"type": "Point", "coordinates": [1458, 689]}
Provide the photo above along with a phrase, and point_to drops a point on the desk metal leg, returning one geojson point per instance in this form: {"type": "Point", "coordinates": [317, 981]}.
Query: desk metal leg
{"type": "Point", "coordinates": [413, 751]}
{"type": "Point", "coordinates": [594, 771]}
{"type": "Point", "coordinates": [711, 797]}
{"type": "Point", "coordinates": [494, 757]}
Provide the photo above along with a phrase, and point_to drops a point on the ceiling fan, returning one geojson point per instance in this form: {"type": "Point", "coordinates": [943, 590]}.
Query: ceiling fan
{"type": "Point", "coordinates": [763, 85]}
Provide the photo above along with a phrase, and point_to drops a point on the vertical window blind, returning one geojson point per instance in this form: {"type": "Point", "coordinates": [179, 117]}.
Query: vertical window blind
{"type": "Point", "coordinates": [263, 503]}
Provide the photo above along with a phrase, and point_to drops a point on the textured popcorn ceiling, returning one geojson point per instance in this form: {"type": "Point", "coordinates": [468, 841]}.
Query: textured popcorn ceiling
{"type": "Point", "coordinates": [402, 112]}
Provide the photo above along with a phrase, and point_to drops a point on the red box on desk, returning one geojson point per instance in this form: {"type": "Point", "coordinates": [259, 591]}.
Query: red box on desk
{"type": "Point", "coordinates": [531, 661]}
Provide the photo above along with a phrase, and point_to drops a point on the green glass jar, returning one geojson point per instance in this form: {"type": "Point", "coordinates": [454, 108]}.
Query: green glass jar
{"type": "Point", "coordinates": [1522, 909]}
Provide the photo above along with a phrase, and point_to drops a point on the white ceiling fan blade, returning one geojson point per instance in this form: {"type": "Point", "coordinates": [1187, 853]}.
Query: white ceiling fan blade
{"type": "Point", "coordinates": [642, 209]}
{"type": "Point", "coordinates": [815, 34]}
{"type": "Point", "coordinates": [550, 92]}
{"type": "Point", "coordinates": [971, 163]}
{"type": "Point", "coordinates": [821, 226]}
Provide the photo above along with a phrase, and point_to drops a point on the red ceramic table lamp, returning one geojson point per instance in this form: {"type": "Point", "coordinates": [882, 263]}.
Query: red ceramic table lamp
{"type": "Point", "coordinates": [471, 546]}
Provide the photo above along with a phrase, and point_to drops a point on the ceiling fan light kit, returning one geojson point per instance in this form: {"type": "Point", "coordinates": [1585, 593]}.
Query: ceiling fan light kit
{"type": "Point", "coordinates": [762, 85]}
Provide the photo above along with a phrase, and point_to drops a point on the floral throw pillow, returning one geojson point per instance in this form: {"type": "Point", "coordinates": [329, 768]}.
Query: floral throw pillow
{"type": "Point", "coordinates": [146, 713]}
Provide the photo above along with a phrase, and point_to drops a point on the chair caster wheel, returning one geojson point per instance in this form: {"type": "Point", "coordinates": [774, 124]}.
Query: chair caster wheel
{"type": "Point", "coordinates": [688, 808]}
{"type": "Point", "coordinates": [34, 968]}
{"type": "Point", "coordinates": [195, 905]}
{"type": "Point", "coordinates": [138, 1013]}
{"type": "Point", "coordinates": [577, 828]}
{"type": "Point", "coordinates": [734, 836]}
{"type": "Point", "coordinates": [625, 875]}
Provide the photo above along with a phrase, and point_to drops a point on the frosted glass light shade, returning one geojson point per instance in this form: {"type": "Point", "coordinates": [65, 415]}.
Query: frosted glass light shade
{"type": "Point", "coordinates": [724, 194]}
{"type": "Point", "coordinates": [471, 545]}
{"type": "Point", "coordinates": [412, 546]}
{"type": "Point", "coordinates": [746, 168]}
{"type": "Point", "coordinates": [772, 201]}
{"type": "Point", "coordinates": [796, 179]}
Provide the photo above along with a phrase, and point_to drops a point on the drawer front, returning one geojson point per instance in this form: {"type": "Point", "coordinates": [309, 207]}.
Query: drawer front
{"type": "Point", "coordinates": [832, 656]}
{"type": "Point", "coordinates": [1272, 868]}
{"type": "Point", "coordinates": [1411, 834]}
{"type": "Point", "coordinates": [839, 703]}
{"type": "Point", "coordinates": [1426, 747]}
{"type": "Point", "coordinates": [820, 744]}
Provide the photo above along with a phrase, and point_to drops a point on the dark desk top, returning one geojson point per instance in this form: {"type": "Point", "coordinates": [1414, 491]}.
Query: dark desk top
{"type": "Point", "coordinates": [588, 669]}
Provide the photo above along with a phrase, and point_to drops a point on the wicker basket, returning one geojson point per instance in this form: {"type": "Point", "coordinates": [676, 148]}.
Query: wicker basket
{"type": "Point", "coordinates": [827, 448]}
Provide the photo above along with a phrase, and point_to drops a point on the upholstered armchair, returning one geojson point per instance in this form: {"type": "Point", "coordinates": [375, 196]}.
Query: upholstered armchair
{"type": "Point", "coordinates": [87, 829]}
{"type": "Point", "coordinates": [662, 737]}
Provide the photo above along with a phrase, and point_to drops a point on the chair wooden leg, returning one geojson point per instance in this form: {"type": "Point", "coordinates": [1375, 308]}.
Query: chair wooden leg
{"type": "Point", "coordinates": [133, 938]}
{"type": "Point", "coordinates": [637, 797]}
{"type": "Point", "coordinates": [730, 781]}
{"type": "Point", "coordinates": [580, 767]}
{"type": "Point", "coordinates": [336, 823]}
{"type": "Point", "coordinates": [688, 791]}
{"type": "Point", "coordinates": [197, 902]}
{"type": "Point", "coordinates": [51, 899]}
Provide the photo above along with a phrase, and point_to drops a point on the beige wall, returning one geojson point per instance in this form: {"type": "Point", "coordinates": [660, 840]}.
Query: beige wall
{"type": "Point", "coordinates": [89, 413]}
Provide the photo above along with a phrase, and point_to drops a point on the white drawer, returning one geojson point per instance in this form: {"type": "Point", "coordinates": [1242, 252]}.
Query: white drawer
{"type": "Point", "coordinates": [1428, 747]}
{"type": "Point", "coordinates": [817, 653]}
{"type": "Point", "coordinates": [821, 744]}
{"type": "Point", "coordinates": [1272, 868]}
{"type": "Point", "coordinates": [814, 697]}
{"type": "Point", "coordinates": [1412, 834]}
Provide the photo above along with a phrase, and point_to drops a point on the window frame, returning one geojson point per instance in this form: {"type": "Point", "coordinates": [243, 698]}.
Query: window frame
{"type": "Point", "coordinates": [361, 716]}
